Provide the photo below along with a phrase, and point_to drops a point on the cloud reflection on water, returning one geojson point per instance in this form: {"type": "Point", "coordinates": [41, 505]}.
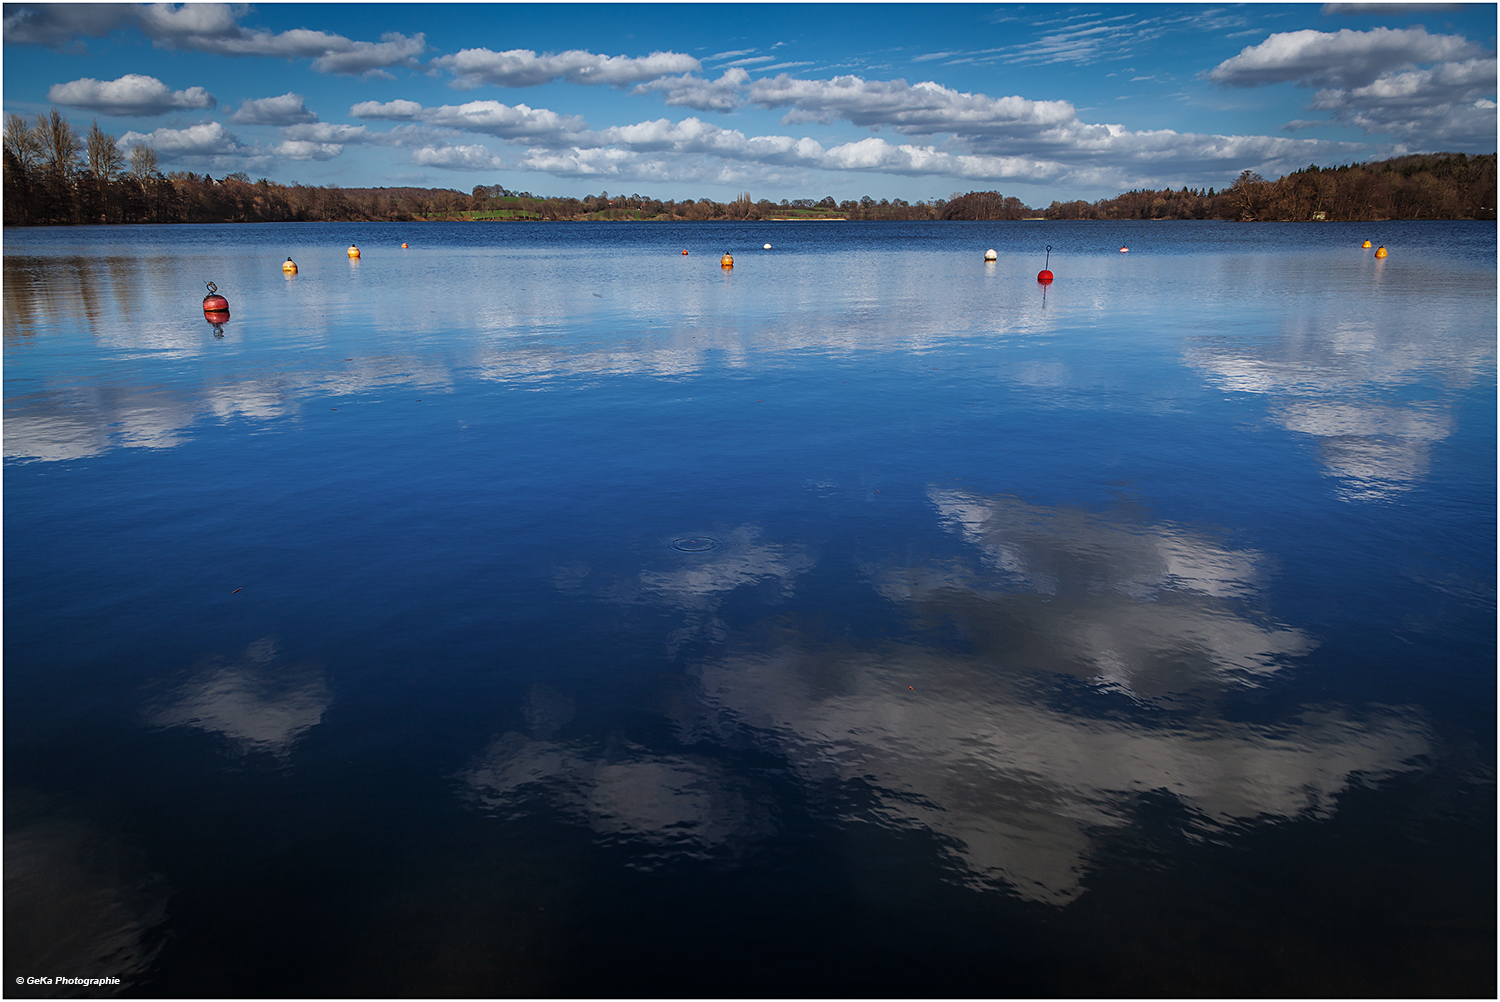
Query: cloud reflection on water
{"type": "Point", "coordinates": [1329, 376]}
{"type": "Point", "coordinates": [1142, 608]}
{"type": "Point", "coordinates": [669, 806]}
{"type": "Point", "coordinates": [1016, 788]}
{"type": "Point", "coordinates": [698, 583]}
{"type": "Point", "coordinates": [979, 747]}
{"type": "Point", "coordinates": [257, 701]}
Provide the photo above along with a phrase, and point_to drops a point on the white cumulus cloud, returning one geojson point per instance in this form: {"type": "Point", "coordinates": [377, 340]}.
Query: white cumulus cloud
{"type": "Point", "coordinates": [505, 121]}
{"type": "Point", "coordinates": [301, 149]}
{"type": "Point", "coordinates": [132, 94]}
{"type": "Point", "coordinates": [287, 109]}
{"type": "Point", "coordinates": [1373, 80]}
{"type": "Point", "coordinates": [1337, 58]}
{"type": "Point", "coordinates": [688, 91]}
{"type": "Point", "coordinates": [202, 140]}
{"type": "Point", "coordinates": [525, 68]}
{"type": "Point", "coordinates": [395, 111]}
{"type": "Point", "coordinates": [1448, 104]}
{"type": "Point", "coordinates": [327, 132]}
{"type": "Point", "coordinates": [1046, 141]}
{"type": "Point", "coordinates": [214, 28]}
{"type": "Point", "coordinates": [917, 109]}
{"type": "Point", "coordinates": [457, 157]}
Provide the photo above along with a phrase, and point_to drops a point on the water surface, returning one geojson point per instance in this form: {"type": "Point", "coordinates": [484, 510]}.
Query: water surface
{"type": "Point", "coordinates": [538, 610]}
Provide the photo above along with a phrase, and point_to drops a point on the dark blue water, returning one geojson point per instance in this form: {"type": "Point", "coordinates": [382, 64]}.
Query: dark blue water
{"type": "Point", "coordinates": [537, 610]}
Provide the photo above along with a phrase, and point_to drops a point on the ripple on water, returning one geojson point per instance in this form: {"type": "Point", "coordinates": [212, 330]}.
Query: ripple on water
{"type": "Point", "coordinates": [694, 544]}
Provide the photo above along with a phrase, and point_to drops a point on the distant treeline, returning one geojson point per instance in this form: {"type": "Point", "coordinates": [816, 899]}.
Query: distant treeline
{"type": "Point", "coordinates": [54, 176]}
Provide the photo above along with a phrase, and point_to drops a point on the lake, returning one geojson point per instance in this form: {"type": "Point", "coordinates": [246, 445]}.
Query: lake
{"type": "Point", "coordinates": [538, 610]}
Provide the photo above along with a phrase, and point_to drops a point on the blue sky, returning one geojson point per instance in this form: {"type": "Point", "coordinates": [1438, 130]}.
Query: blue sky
{"type": "Point", "coordinates": [914, 101]}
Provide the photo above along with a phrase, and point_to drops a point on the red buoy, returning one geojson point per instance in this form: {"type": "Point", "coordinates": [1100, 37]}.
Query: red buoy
{"type": "Point", "coordinates": [215, 303]}
{"type": "Point", "coordinates": [1044, 276]}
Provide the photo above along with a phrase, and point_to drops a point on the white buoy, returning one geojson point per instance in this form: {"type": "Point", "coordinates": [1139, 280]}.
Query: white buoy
{"type": "Point", "coordinates": [768, 246]}
{"type": "Point", "coordinates": [990, 255]}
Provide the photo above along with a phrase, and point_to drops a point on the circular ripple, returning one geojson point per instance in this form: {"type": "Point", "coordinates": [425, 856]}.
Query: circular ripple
{"type": "Point", "coordinates": [694, 544]}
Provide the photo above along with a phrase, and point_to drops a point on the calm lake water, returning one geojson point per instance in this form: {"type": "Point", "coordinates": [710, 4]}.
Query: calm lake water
{"type": "Point", "coordinates": [537, 610]}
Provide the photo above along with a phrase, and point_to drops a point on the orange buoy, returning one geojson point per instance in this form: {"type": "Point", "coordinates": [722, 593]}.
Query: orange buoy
{"type": "Point", "coordinates": [1365, 244]}
{"type": "Point", "coordinates": [1124, 250]}
{"type": "Point", "coordinates": [1380, 252]}
{"type": "Point", "coordinates": [289, 266]}
{"type": "Point", "coordinates": [353, 251]}
{"type": "Point", "coordinates": [215, 303]}
{"type": "Point", "coordinates": [403, 245]}
{"type": "Point", "coordinates": [726, 261]}
{"type": "Point", "coordinates": [684, 252]}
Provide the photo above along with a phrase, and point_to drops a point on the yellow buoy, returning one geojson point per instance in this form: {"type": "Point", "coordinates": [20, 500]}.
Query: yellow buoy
{"type": "Point", "coordinates": [726, 261]}
{"type": "Point", "coordinates": [990, 255]}
{"type": "Point", "coordinates": [1380, 252]}
{"type": "Point", "coordinates": [353, 251]}
{"type": "Point", "coordinates": [1365, 244]}
{"type": "Point", "coordinates": [289, 266]}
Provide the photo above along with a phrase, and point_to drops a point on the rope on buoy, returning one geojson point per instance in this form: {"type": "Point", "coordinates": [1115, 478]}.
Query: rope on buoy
{"type": "Point", "coordinates": [1044, 276]}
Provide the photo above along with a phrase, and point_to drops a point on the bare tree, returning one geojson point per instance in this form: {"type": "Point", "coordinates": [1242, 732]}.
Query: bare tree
{"type": "Point", "coordinates": [143, 163]}
{"type": "Point", "coordinates": [105, 160]}
{"type": "Point", "coordinates": [60, 145]}
{"type": "Point", "coordinates": [22, 142]}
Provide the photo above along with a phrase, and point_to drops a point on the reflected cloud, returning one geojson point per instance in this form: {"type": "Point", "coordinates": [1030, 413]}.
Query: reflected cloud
{"type": "Point", "coordinates": [65, 424]}
{"type": "Point", "coordinates": [1375, 450]}
{"type": "Point", "coordinates": [257, 701]}
{"type": "Point", "coordinates": [670, 806]}
{"type": "Point", "coordinates": [73, 425]}
{"type": "Point", "coordinates": [977, 749]}
{"type": "Point", "coordinates": [1018, 772]}
{"type": "Point", "coordinates": [1330, 377]}
{"type": "Point", "coordinates": [1017, 789]}
{"type": "Point", "coordinates": [1142, 608]}
{"type": "Point", "coordinates": [698, 583]}
{"type": "Point", "coordinates": [118, 307]}
{"type": "Point", "coordinates": [743, 560]}
{"type": "Point", "coordinates": [77, 903]}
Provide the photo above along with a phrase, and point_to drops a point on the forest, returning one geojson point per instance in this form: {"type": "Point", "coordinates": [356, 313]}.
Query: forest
{"type": "Point", "coordinates": [54, 176]}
